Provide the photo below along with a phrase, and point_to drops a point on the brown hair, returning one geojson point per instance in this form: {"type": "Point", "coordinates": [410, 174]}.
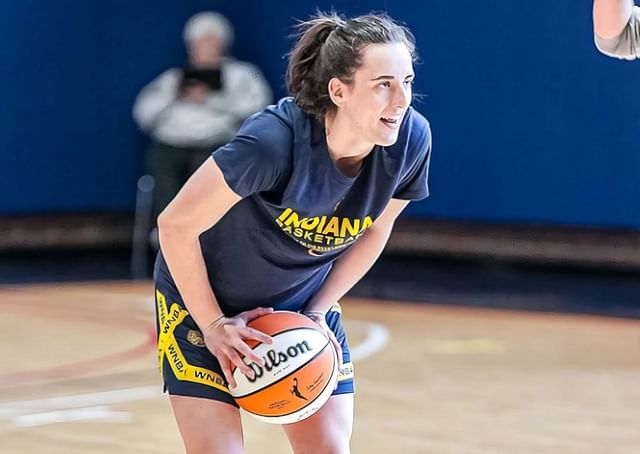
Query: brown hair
{"type": "Point", "coordinates": [330, 46]}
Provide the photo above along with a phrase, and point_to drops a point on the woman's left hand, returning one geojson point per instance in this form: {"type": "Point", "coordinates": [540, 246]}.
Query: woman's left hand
{"type": "Point", "coordinates": [319, 318]}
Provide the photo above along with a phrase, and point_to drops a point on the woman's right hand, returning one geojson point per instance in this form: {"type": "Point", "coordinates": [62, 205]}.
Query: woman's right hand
{"type": "Point", "coordinates": [226, 338]}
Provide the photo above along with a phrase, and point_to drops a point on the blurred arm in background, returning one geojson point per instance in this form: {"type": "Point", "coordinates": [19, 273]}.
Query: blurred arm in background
{"type": "Point", "coordinates": [246, 90]}
{"type": "Point", "coordinates": [616, 25]}
{"type": "Point", "coordinates": [155, 98]}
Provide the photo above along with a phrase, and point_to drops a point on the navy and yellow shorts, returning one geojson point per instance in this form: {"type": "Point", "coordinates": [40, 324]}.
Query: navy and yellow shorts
{"type": "Point", "coordinates": [189, 369]}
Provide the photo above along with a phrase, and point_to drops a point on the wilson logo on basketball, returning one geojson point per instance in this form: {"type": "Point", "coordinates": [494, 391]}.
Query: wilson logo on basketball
{"type": "Point", "coordinates": [273, 359]}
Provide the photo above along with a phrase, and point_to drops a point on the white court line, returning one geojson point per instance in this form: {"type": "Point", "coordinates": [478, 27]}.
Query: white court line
{"type": "Point", "coordinates": [29, 413]}
{"type": "Point", "coordinates": [103, 413]}
{"type": "Point", "coordinates": [377, 338]}
{"type": "Point", "coordinates": [79, 400]}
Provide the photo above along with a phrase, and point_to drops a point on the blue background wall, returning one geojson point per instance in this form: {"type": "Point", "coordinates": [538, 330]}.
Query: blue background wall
{"type": "Point", "coordinates": [531, 124]}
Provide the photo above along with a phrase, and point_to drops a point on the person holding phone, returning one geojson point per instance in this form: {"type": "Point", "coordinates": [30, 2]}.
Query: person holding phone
{"type": "Point", "coordinates": [189, 112]}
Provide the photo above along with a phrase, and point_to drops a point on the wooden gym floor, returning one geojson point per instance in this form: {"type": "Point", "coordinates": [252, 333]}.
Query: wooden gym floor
{"type": "Point", "coordinates": [79, 376]}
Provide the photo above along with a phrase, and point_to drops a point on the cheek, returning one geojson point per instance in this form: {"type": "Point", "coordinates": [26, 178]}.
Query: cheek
{"type": "Point", "coordinates": [365, 109]}
{"type": "Point", "coordinates": [370, 106]}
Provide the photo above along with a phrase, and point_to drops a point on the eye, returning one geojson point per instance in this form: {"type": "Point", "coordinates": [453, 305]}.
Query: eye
{"type": "Point", "coordinates": [409, 82]}
{"type": "Point", "coordinates": [385, 84]}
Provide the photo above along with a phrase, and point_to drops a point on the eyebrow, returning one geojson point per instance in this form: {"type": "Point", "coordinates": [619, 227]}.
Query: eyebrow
{"type": "Point", "coordinates": [391, 77]}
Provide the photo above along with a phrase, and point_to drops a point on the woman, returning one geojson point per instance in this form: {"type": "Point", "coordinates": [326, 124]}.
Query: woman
{"type": "Point", "coordinates": [289, 215]}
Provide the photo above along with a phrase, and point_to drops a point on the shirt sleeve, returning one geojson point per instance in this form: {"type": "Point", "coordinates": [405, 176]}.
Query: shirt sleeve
{"type": "Point", "coordinates": [258, 158]}
{"type": "Point", "coordinates": [414, 183]}
{"type": "Point", "coordinates": [627, 45]}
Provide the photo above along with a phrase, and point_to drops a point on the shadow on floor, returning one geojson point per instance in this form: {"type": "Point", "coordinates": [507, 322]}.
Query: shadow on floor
{"type": "Point", "coordinates": [433, 280]}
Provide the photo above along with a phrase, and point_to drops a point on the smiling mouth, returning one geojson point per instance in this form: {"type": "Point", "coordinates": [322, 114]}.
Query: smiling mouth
{"type": "Point", "coordinates": [390, 122]}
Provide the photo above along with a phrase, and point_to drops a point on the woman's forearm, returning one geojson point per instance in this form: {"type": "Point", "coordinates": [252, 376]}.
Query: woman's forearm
{"type": "Point", "coordinates": [350, 268]}
{"type": "Point", "coordinates": [185, 261]}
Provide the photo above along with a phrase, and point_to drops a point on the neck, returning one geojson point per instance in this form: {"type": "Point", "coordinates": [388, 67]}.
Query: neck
{"type": "Point", "coordinates": [342, 142]}
{"type": "Point", "coordinates": [347, 151]}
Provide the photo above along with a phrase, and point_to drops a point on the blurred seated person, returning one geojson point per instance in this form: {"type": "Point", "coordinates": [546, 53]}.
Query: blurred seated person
{"type": "Point", "coordinates": [189, 112]}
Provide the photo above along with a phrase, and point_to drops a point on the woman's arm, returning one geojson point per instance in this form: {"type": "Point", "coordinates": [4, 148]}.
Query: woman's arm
{"type": "Point", "coordinates": [199, 205]}
{"type": "Point", "coordinates": [353, 265]}
{"type": "Point", "coordinates": [610, 17]}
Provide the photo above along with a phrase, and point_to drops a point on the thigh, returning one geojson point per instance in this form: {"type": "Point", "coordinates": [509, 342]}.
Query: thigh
{"type": "Point", "coordinates": [328, 431]}
{"type": "Point", "coordinates": [187, 367]}
{"type": "Point", "coordinates": [208, 426]}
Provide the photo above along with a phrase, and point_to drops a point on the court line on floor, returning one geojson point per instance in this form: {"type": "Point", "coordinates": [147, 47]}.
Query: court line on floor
{"type": "Point", "coordinates": [91, 406]}
{"type": "Point", "coordinates": [73, 370]}
{"type": "Point", "coordinates": [377, 338]}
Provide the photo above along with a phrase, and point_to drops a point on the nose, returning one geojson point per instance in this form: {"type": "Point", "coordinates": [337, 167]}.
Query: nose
{"type": "Point", "coordinates": [402, 97]}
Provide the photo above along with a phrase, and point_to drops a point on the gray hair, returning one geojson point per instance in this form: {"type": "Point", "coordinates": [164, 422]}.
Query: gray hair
{"type": "Point", "coordinates": [208, 23]}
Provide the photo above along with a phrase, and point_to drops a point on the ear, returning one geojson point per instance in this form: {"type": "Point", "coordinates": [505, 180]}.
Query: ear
{"type": "Point", "coordinates": [337, 91]}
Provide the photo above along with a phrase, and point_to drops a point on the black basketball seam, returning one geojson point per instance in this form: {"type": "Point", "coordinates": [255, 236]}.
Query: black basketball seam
{"type": "Point", "coordinates": [285, 331]}
{"type": "Point", "coordinates": [289, 374]}
{"type": "Point", "coordinates": [301, 408]}
{"type": "Point", "coordinates": [278, 333]}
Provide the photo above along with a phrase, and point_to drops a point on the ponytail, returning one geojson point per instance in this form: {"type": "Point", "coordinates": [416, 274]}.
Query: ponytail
{"type": "Point", "coordinates": [303, 81]}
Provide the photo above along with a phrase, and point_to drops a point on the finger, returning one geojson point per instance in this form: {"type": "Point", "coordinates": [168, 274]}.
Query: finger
{"type": "Point", "coordinates": [317, 318]}
{"type": "Point", "coordinates": [252, 333]}
{"type": "Point", "coordinates": [247, 316]}
{"type": "Point", "coordinates": [249, 355]}
{"type": "Point", "coordinates": [337, 347]}
{"type": "Point", "coordinates": [226, 370]}
{"type": "Point", "coordinates": [240, 364]}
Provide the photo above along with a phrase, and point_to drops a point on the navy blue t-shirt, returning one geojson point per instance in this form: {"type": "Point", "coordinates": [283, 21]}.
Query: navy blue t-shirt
{"type": "Point", "coordinates": [299, 213]}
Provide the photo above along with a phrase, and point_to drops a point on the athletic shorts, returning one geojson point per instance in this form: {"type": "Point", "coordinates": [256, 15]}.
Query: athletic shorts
{"type": "Point", "coordinates": [189, 369]}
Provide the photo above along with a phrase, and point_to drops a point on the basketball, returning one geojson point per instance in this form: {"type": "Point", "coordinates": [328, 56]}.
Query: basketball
{"type": "Point", "coordinates": [299, 375]}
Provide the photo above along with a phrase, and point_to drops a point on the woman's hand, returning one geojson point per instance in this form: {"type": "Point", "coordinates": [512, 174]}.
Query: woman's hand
{"type": "Point", "coordinates": [320, 318]}
{"type": "Point", "coordinates": [226, 337]}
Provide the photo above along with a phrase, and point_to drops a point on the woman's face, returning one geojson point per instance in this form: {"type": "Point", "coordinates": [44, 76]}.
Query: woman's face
{"type": "Point", "coordinates": [375, 102]}
{"type": "Point", "coordinates": [206, 51]}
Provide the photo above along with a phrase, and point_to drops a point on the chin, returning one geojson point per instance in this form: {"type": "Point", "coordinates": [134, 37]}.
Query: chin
{"type": "Point", "coordinates": [387, 141]}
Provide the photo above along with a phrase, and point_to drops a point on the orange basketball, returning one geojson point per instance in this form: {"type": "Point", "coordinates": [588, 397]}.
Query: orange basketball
{"type": "Point", "coordinates": [299, 374]}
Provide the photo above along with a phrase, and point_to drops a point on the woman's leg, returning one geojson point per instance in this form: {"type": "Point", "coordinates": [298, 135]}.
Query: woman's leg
{"type": "Point", "coordinates": [329, 430]}
{"type": "Point", "coordinates": [208, 426]}
{"type": "Point", "coordinates": [326, 432]}
{"type": "Point", "coordinates": [206, 414]}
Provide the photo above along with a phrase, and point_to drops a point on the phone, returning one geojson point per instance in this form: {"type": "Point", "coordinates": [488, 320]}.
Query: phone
{"type": "Point", "coordinates": [212, 77]}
